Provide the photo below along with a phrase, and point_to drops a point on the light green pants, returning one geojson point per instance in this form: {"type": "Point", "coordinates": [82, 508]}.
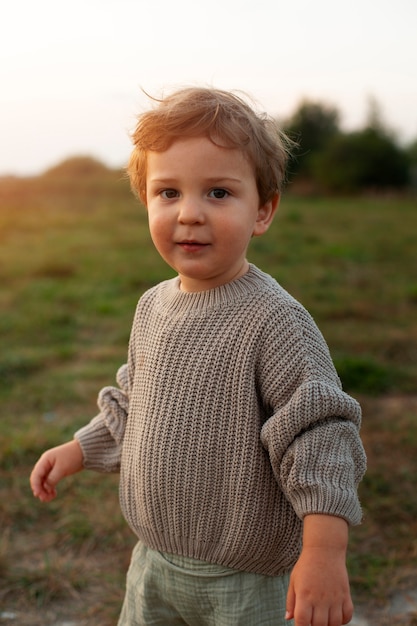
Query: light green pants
{"type": "Point", "coordinates": [168, 590]}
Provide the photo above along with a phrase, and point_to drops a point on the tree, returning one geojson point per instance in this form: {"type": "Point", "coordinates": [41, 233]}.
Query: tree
{"type": "Point", "coordinates": [312, 126]}
{"type": "Point", "coordinates": [366, 159]}
{"type": "Point", "coordinates": [411, 152]}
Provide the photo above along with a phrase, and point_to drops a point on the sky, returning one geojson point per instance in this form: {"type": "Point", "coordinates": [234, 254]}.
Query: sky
{"type": "Point", "coordinates": [72, 73]}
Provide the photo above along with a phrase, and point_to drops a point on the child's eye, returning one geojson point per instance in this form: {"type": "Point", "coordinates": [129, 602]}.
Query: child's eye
{"type": "Point", "coordinates": [218, 193]}
{"type": "Point", "coordinates": [169, 194]}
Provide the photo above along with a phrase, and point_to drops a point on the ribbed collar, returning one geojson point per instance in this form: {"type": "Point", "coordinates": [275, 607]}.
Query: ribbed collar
{"type": "Point", "coordinates": [175, 302]}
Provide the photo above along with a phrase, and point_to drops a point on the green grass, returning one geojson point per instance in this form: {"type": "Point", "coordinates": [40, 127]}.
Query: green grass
{"type": "Point", "coordinates": [75, 256]}
{"type": "Point", "coordinates": [352, 263]}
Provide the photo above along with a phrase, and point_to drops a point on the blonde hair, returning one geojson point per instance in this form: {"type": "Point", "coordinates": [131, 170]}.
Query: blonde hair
{"type": "Point", "coordinates": [223, 117]}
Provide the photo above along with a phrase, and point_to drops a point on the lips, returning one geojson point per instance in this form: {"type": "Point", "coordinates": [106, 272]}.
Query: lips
{"type": "Point", "coordinates": [192, 246]}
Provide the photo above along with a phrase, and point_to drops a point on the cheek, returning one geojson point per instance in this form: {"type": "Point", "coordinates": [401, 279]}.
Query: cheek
{"type": "Point", "coordinates": [154, 221]}
{"type": "Point", "coordinates": [159, 229]}
{"type": "Point", "coordinates": [243, 230]}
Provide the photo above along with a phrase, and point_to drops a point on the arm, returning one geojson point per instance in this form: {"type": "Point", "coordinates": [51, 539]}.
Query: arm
{"type": "Point", "coordinates": [319, 591]}
{"type": "Point", "coordinates": [101, 439]}
{"type": "Point", "coordinates": [54, 465]}
{"type": "Point", "coordinates": [96, 446]}
{"type": "Point", "coordinates": [312, 431]}
{"type": "Point", "coordinates": [318, 459]}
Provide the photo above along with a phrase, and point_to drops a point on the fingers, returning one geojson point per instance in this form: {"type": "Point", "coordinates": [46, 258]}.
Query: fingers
{"type": "Point", "coordinates": [306, 612]}
{"type": "Point", "coordinates": [54, 465]}
{"type": "Point", "coordinates": [306, 615]}
{"type": "Point", "coordinates": [41, 480]}
{"type": "Point", "coordinates": [290, 604]}
{"type": "Point", "coordinates": [46, 493]}
{"type": "Point", "coordinates": [347, 611]}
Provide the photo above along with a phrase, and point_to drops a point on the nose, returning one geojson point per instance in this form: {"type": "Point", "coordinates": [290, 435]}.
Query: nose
{"type": "Point", "coordinates": [190, 211]}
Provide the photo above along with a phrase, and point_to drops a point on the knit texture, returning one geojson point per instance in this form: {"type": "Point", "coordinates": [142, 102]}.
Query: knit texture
{"type": "Point", "coordinates": [229, 425]}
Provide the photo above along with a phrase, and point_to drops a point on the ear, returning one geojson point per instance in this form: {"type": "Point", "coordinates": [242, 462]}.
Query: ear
{"type": "Point", "coordinates": [266, 214]}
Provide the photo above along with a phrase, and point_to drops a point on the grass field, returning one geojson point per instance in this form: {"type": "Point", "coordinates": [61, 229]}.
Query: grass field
{"type": "Point", "coordinates": [75, 256]}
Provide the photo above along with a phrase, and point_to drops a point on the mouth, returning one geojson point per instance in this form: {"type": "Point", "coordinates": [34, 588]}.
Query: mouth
{"type": "Point", "coordinates": [191, 245]}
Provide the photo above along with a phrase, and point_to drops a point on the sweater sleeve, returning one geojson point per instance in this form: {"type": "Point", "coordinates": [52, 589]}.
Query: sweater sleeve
{"type": "Point", "coordinates": [312, 437]}
{"type": "Point", "coordinates": [101, 439]}
{"type": "Point", "coordinates": [316, 453]}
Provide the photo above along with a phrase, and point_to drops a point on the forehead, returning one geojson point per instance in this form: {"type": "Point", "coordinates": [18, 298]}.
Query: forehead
{"type": "Point", "coordinates": [196, 154]}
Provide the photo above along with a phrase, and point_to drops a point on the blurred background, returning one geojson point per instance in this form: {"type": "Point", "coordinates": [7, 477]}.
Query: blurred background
{"type": "Point", "coordinates": [72, 73]}
{"type": "Point", "coordinates": [75, 255]}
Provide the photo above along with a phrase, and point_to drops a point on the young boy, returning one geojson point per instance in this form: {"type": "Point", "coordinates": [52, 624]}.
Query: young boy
{"type": "Point", "coordinates": [238, 451]}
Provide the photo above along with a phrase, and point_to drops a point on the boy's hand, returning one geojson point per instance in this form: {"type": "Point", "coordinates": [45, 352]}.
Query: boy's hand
{"type": "Point", "coordinates": [54, 465]}
{"type": "Point", "coordinates": [319, 593]}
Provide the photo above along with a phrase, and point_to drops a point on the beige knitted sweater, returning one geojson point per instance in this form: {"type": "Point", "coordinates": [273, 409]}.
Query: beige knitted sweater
{"type": "Point", "coordinates": [229, 426]}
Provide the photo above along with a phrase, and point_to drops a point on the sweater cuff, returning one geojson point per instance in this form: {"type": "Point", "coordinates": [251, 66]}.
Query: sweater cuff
{"type": "Point", "coordinates": [323, 501]}
{"type": "Point", "coordinates": [100, 451]}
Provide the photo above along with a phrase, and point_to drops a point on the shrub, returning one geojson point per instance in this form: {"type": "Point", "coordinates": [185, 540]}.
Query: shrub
{"type": "Point", "coordinates": [364, 375]}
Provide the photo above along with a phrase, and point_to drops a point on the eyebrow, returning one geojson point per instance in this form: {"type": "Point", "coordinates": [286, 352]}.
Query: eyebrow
{"type": "Point", "coordinates": [222, 179]}
{"type": "Point", "coordinates": [211, 181]}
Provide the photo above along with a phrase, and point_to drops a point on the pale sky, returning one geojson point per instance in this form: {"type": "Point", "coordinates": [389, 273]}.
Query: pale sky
{"type": "Point", "coordinates": [71, 73]}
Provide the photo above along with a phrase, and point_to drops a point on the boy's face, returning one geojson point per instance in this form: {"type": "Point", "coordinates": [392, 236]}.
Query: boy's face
{"type": "Point", "coordinates": [203, 207]}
